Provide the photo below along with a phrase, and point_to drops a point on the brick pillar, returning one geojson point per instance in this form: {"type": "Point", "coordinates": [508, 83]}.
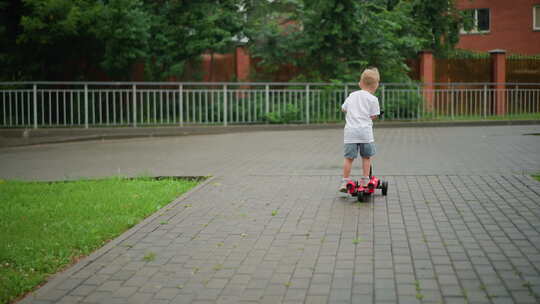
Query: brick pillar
{"type": "Point", "coordinates": [498, 76]}
{"type": "Point", "coordinates": [427, 77]}
{"type": "Point", "coordinates": [243, 63]}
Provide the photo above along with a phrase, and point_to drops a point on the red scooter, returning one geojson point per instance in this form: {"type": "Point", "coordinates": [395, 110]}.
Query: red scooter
{"type": "Point", "coordinates": [364, 192]}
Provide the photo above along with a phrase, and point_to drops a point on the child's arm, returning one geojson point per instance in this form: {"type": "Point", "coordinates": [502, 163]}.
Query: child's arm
{"type": "Point", "coordinates": [375, 110]}
{"type": "Point", "coordinates": [344, 105]}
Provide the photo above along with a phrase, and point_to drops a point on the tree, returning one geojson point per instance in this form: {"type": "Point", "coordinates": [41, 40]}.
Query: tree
{"type": "Point", "coordinates": [65, 39]}
{"type": "Point", "coordinates": [5, 26]}
{"type": "Point", "coordinates": [440, 22]}
{"type": "Point", "coordinates": [335, 39]}
{"type": "Point", "coordinates": [122, 34]}
{"type": "Point", "coordinates": [182, 30]}
{"type": "Point", "coordinates": [52, 33]}
{"type": "Point", "coordinates": [273, 31]}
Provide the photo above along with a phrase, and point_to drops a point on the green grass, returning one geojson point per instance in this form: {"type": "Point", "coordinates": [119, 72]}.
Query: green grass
{"type": "Point", "coordinates": [527, 116]}
{"type": "Point", "coordinates": [45, 226]}
{"type": "Point", "coordinates": [536, 177]}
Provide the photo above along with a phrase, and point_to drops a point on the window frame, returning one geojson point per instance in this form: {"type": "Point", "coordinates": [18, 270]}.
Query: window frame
{"type": "Point", "coordinates": [475, 29]}
{"type": "Point", "coordinates": [535, 27]}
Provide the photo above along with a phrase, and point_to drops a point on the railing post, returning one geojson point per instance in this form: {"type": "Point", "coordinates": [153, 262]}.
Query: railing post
{"type": "Point", "coordinates": [515, 101]}
{"type": "Point", "coordinates": [485, 101]}
{"type": "Point", "coordinates": [307, 103]}
{"type": "Point", "coordinates": [452, 102]}
{"type": "Point", "coordinates": [225, 105]}
{"type": "Point", "coordinates": [267, 101]}
{"type": "Point", "coordinates": [134, 103]}
{"type": "Point", "coordinates": [181, 99]}
{"type": "Point", "coordinates": [35, 107]}
{"type": "Point", "coordinates": [86, 106]}
{"type": "Point", "coordinates": [383, 93]}
{"type": "Point", "coordinates": [421, 106]}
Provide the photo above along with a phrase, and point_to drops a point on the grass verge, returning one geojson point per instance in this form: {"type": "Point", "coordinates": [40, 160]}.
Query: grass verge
{"type": "Point", "coordinates": [527, 116]}
{"type": "Point", "coordinates": [536, 177]}
{"type": "Point", "coordinates": [46, 226]}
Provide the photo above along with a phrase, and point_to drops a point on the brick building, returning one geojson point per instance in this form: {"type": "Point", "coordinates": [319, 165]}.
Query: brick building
{"type": "Point", "coordinates": [512, 25]}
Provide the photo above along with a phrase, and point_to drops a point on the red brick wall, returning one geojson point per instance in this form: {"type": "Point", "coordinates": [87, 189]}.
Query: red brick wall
{"type": "Point", "coordinates": [511, 27]}
{"type": "Point", "coordinates": [222, 69]}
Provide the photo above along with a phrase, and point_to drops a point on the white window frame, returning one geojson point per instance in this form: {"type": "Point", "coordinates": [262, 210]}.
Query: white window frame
{"type": "Point", "coordinates": [475, 30]}
{"type": "Point", "coordinates": [536, 27]}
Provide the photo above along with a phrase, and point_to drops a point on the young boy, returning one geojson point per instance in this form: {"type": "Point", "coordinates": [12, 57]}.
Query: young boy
{"type": "Point", "coordinates": [361, 107]}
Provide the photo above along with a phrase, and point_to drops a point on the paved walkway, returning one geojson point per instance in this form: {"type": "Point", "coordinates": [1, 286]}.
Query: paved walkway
{"type": "Point", "coordinates": [461, 223]}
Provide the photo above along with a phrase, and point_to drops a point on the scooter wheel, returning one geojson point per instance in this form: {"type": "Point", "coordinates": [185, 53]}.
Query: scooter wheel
{"type": "Point", "coordinates": [360, 196]}
{"type": "Point", "coordinates": [385, 188]}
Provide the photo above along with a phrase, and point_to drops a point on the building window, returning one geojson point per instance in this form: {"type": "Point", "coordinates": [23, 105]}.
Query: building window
{"type": "Point", "coordinates": [480, 21]}
{"type": "Point", "coordinates": [536, 18]}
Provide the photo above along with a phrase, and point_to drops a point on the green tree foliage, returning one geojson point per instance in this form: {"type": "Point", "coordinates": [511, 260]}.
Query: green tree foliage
{"type": "Point", "coordinates": [323, 39]}
{"type": "Point", "coordinates": [273, 31]}
{"type": "Point", "coordinates": [66, 39]}
{"type": "Point", "coordinates": [4, 40]}
{"type": "Point", "coordinates": [335, 39]}
{"type": "Point", "coordinates": [122, 36]}
{"type": "Point", "coordinates": [440, 22]}
{"type": "Point", "coordinates": [183, 30]}
{"type": "Point", "coordinates": [55, 34]}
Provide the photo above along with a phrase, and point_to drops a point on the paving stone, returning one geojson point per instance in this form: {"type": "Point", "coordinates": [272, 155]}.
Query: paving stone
{"type": "Point", "coordinates": [70, 300]}
{"type": "Point", "coordinates": [98, 297]}
{"type": "Point", "coordinates": [340, 294]}
{"type": "Point", "coordinates": [167, 293]}
{"type": "Point", "coordinates": [124, 292]}
{"type": "Point", "coordinates": [296, 294]}
{"type": "Point", "coordinates": [315, 300]}
{"type": "Point", "coordinates": [69, 284]}
{"type": "Point", "coordinates": [385, 295]}
{"type": "Point", "coordinates": [83, 290]}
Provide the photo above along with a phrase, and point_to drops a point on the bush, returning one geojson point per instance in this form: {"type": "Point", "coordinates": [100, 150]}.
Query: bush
{"type": "Point", "coordinates": [290, 114]}
{"type": "Point", "coordinates": [402, 104]}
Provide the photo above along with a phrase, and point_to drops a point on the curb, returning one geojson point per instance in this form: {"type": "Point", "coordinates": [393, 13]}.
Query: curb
{"type": "Point", "coordinates": [26, 137]}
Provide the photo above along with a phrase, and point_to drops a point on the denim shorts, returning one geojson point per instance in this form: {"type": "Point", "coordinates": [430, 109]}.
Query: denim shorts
{"type": "Point", "coordinates": [364, 149]}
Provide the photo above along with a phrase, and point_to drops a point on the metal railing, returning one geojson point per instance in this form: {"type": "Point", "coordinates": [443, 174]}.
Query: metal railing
{"type": "Point", "coordinates": [107, 104]}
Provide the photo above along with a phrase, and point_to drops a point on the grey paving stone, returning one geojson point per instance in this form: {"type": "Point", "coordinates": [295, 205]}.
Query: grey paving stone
{"type": "Point", "coordinates": [69, 284]}
{"type": "Point", "coordinates": [406, 290]}
{"type": "Point", "coordinates": [167, 293]}
{"type": "Point", "coordinates": [523, 297]}
{"type": "Point", "coordinates": [234, 290]}
{"type": "Point", "coordinates": [70, 300]}
{"type": "Point", "coordinates": [124, 292]}
{"type": "Point", "coordinates": [408, 300]}
{"type": "Point", "coordinates": [83, 290]}
{"type": "Point", "coordinates": [55, 295]}
{"type": "Point", "coordinates": [340, 294]}
{"type": "Point", "coordinates": [98, 297]}
{"type": "Point", "coordinates": [385, 295]}
{"type": "Point", "coordinates": [315, 300]}
{"type": "Point", "coordinates": [296, 295]}
{"type": "Point", "coordinates": [110, 286]}
{"type": "Point", "coordinates": [97, 279]}
{"type": "Point", "coordinates": [451, 290]}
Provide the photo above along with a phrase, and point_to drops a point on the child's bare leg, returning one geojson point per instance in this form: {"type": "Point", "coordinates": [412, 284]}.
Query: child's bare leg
{"type": "Point", "coordinates": [366, 165]}
{"type": "Point", "coordinates": [347, 166]}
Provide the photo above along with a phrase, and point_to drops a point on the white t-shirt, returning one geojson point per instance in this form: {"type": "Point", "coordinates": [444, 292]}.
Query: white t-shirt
{"type": "Point", "coordinates": [360, 106]}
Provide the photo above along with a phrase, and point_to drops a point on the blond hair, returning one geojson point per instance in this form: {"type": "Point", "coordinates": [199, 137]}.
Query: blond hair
{"type": "Point", "coordinates": [370, 77]}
